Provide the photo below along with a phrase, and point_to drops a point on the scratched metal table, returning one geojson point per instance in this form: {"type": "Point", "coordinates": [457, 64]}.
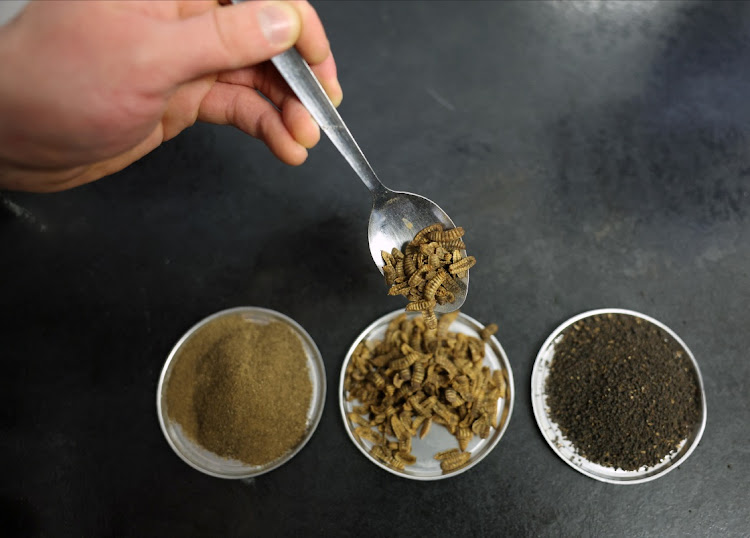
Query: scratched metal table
{"type": "Point", "coordinates": [598, 155]}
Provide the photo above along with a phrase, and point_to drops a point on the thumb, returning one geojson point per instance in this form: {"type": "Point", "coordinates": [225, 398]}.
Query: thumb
{"type": "Point", "coordinates": [230, 37]}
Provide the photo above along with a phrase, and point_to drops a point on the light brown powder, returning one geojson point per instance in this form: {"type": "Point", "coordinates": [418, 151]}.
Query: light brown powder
{"type": "Point", "coordinates": [242, 389]}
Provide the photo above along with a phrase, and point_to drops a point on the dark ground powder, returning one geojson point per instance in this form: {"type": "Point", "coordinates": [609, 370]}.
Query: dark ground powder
{"type": "Point", "coordinates": [241, 389]}
{"type": "Point", "coordinates": [622, 390]}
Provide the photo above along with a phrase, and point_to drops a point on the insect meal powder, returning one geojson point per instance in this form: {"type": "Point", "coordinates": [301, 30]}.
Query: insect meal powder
{"type": "Point", "coordinates": [241, 389]}
{"type": "Point", "coordinates": [622, 390]}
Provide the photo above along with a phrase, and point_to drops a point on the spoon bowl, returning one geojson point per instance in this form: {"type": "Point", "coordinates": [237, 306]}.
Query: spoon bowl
{"type": "Point", "coordinates": [396, 217]}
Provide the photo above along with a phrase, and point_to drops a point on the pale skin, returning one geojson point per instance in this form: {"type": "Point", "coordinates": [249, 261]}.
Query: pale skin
{"type": "Point", "coordinates": [90, 87]}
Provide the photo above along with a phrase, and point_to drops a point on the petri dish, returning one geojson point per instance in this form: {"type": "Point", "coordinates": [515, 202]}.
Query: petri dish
{"type": "Point", "coordinates": [565, 449]}
{"type": "Point", "coordinates": [439, 438]}
{"type": "Point", "coordinates": [208, 462]}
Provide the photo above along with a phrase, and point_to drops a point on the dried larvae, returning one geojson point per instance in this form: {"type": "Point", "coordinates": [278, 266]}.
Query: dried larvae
{"type": "Point", "coordinates": [460, 267]}
{"type": "Point", "coordinates": [428, 270]}
{"type": "Point", "coordinates": [385, 455]}
{"type": "Point", "coordinates": [417, 376]}
{"type": "Point", "coordinates": [445, 236]}
{"type": "Point", "coordinates": [418, 306]}
{"type": "Point", "coordinates": [455, 461]}
{"type": "Point", "coordinates": [447, 454]}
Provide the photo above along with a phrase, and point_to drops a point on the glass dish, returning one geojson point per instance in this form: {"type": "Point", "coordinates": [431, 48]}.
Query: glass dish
{"type": "Point", "coordinates": [439, 438]}
{"type": "Point", "coordinates": [565, 449]}
{"type": "Point", "coordinates": [213, 464]}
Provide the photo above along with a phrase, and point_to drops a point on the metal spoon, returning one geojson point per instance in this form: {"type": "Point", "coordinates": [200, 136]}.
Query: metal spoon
{"type": "Point", "coordinates": [396, 217]}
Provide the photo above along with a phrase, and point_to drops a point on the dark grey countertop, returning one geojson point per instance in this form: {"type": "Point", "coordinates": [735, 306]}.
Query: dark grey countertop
{"type": "Point", "coordinates": [598, 154]}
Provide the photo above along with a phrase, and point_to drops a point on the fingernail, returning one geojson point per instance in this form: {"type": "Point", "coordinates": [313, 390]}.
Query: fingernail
{"type": "Point", "coordinates": [279, 23]}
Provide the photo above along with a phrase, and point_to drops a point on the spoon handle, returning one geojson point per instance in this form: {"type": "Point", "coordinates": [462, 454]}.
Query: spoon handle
{"type": "Point", "coordinates": [302, 81]}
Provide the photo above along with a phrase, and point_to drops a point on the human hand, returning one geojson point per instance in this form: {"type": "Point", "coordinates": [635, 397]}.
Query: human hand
{"type": "Point", "coordinates": [90, 87]}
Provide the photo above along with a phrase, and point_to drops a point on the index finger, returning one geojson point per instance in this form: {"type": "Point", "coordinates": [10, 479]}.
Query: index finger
{"type": "Point", "coordinates": [315, 48]}
{"type": "Point", "coordinates": [312, 42]}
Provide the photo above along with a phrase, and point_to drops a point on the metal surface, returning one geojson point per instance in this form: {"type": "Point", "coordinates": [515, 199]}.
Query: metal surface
{"type": "Point", "coordinates": [207, 462]}
{"type": "Point", "coordinates": [439, 438]}
{"type": "Point", "coordinates": [396, 216]}
{"type": "Point", "coordinates": [565, 448]}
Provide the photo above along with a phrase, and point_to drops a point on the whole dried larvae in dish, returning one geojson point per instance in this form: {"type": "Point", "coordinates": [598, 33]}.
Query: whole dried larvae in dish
{"type": "Point", "coordinates": [416, 377]}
